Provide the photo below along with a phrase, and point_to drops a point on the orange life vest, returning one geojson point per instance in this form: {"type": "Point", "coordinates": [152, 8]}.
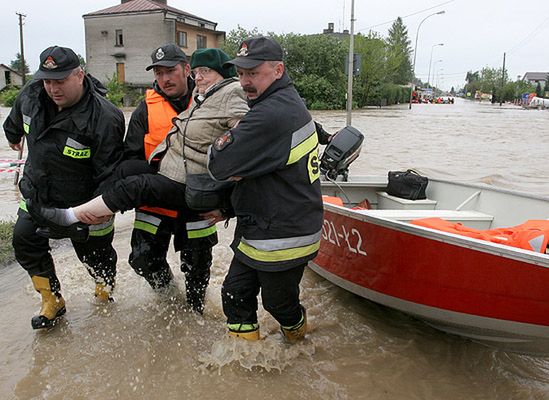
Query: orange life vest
{"type": "Point", "coordinates": [532, 235]}
{"type": "Point", "coordinates": [159, 114]}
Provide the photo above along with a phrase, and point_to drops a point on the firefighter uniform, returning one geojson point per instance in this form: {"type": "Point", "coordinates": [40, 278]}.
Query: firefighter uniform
{"type": "Point", "coordinates": [70, 153]}
{"type": "Point", "coordinates": [278, 207]}
{"type": "Point", "coordinates": [153, 226]}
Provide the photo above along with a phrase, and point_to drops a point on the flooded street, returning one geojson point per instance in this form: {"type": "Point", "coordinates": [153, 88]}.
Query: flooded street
{"type": "Point", "coordinates": [148, 345]}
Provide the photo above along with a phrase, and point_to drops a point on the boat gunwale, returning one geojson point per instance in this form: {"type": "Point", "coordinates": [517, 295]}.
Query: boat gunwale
{"type": "Point", "coordinates": [496, 249]}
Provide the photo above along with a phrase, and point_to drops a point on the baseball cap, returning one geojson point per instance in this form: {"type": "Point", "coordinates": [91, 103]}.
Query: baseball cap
{"type": "Point", "coordinates": [168, 55]}
{"type": "Point", "coordinates": [56, 63]}
{"type": "Point", "coordinates": [254, 51]}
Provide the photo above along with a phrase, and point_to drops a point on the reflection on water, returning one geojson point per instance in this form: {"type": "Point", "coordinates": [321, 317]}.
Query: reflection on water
{"type": "Point", "coordinates": [151, 346]}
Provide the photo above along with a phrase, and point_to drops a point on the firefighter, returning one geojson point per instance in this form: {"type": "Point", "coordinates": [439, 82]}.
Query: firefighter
{"type": "Point", "coordinates": [220, 103]}
{"type": "Point", "coordinates": [154, 226]}
{"type": "Point", "coordinates": [75, 140]}
{"type": "Point", "coordinates": [273, 156]}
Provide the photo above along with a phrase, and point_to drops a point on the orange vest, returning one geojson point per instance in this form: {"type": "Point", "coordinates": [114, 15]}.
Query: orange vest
{"type": "Point", "coordinates": [532, 235]}
{"type": "Point", "coordinates": [160, 114]}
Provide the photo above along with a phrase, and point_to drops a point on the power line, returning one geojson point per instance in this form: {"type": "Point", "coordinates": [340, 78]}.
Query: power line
{"type": "Point", "coordinates": [530, 35]}
{"type": "Point", "coordinates": [406, 16]}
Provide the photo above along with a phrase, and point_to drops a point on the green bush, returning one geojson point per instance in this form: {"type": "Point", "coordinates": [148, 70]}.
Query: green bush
{"type": "Point", "coordinates": [116, 91]}
{"type": "Point", "coordinates": [8, 95]}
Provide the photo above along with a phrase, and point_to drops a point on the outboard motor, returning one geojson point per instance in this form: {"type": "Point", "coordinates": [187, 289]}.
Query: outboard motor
{"type": "Point", "coordinates": [342, 150]}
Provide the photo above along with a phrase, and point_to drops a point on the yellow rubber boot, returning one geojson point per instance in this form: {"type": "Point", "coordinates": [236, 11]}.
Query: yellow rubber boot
{"type": "Point", "coordinates": [244, 331]}
{"type": "Point", "coordinates": [297, 332]}
{"type": "Point", "coordinates": [53, 304]}
{"type": "Point", "coordinates": [103, 292]}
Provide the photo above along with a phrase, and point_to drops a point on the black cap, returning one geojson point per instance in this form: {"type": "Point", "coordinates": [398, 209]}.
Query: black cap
{"type": "Point", "coordinates": [56, 63]}
{"type": "Point", "coordinates": [254, 51]}
{"type": "Point", "coordinates": [168, 55]}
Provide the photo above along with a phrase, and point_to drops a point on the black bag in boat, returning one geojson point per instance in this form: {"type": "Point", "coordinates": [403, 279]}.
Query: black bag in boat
{"type": "Point", "coordinates": [407, 185]}
{"type": "Point", "coordinates": [203, 193]}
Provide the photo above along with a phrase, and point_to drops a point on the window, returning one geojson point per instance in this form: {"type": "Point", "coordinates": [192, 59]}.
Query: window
{"type": "Point", "coordinates": [182, 39]}
{"type": "Point", "coordinates": [7, 77]}
{"type": "Point", "coordinates": [201, 42]}
{"type": "Point", "coordinates": [119, 38]}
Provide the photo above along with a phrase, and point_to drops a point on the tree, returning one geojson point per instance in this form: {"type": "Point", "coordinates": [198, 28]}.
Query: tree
{"type": "Point", "coordinates": [233, 39]}
{"type": "Point", "coordinates": [82, 61]}
{"type": "Point", "coordinates": [539, 92]}
{"type": "Point", "coordinates": [16, 64]}
{"type": "Point", "coordinates": [399, 66]}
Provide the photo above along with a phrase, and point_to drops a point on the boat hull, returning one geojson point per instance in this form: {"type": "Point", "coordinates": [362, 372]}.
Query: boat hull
{"type": "Point", "coordinates": [487, 292]}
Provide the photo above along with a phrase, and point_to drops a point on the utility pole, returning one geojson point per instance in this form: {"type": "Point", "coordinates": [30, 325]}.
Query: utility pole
{"type": "Point", "coordinates": [350, 61]}
{"type": "Point", "coordinates": [22, 66]}
{"type": "Point", "coordinates": [502, 81]}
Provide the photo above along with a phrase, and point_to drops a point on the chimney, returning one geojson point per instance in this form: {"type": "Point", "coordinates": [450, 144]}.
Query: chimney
{"type": "Point", "coordinates": [330, 28]}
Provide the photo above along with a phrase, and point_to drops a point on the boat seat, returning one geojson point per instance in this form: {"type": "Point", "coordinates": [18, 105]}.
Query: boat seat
{"type": "Point", "coordinates": [473, 219]}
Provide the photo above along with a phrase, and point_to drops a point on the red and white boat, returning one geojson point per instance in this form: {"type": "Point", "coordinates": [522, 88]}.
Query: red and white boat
{"type": "Point", "coordinates": [489, 292]}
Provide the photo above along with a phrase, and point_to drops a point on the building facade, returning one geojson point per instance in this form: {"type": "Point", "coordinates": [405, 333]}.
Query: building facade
{"type": "Point", "coordinates": [9, 77]}
{"type": "Point", "coordinates": [120, 39]}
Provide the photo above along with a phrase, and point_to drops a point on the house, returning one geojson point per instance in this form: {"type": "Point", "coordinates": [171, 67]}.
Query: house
{"type": "Point", "coordinates": [535, 77]}
{"type": "Point", "coordinates": [120, 39]}
{"type": "Point", "coordinates": [9, 77]}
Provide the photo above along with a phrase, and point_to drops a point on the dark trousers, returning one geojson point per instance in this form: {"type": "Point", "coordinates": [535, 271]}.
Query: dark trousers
{"type": "Point", "coordinates": [135, 183]}
{"type": "Point", "coordinates": [279, 294]}
{"type": "Point", "coordinates": [33, 252]}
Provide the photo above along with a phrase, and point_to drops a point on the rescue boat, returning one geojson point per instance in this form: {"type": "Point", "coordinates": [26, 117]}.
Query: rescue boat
{"type": "Point", "coordinates": [495, 292]}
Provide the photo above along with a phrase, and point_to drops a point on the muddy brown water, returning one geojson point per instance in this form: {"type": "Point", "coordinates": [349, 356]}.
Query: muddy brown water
{"type": "Point", "coordinates": [151, 346]}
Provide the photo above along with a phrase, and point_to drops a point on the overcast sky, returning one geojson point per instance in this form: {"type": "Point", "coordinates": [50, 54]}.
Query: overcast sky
{"type": "Point", "coordinates": [475, 33]}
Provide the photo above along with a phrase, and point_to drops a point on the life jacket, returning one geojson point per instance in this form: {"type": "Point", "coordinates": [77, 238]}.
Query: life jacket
{"type": "Point", "coordinates": [160, 115]}
{"type": "Point", "coordinates": [532, 235]}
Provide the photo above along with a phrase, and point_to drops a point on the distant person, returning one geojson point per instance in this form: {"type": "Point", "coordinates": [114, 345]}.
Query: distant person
{"type": "Point", "coordinates": [273, 156]}
{"type": "Point", "coordinates": [172, 94]}
{"type": "Point", "coordinates": [74, 140]}
{"type": "Point", "coordinates": [218, 104]}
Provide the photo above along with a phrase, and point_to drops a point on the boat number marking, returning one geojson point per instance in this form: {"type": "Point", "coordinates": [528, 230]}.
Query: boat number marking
{"type": "Point", "coordinates": [348, 237]}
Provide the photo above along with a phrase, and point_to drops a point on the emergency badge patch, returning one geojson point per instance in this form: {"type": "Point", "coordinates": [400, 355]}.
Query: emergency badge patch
{"type": "Point", "coordinates": [223, 141]}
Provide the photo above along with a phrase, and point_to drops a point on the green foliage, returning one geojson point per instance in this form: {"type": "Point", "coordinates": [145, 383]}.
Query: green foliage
{"type": "Point", "coordinates": [8, 95]}
{"type": "Point", "coordinates": [399, 66]}
{"type": "Point", "coordinates": [116, 91]}
{"type": "Point", "coordinates": [235, 37]}
{"type": "Point", "coordinates": [539, 92]}
{"type": "Point", "coordinates": [489, 80]}
{"type": "Point", "coordinates": [316, 65]}
{"type": "Point", "coordinates": [16, 64]}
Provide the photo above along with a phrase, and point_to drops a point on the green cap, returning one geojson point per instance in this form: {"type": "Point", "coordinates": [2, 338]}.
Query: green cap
{"type": "Point", "coordinates": [214, 59]}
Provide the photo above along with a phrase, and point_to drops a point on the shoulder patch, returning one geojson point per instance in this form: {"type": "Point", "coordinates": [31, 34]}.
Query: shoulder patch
{"type": "Point", "coordinates": [223, 141]}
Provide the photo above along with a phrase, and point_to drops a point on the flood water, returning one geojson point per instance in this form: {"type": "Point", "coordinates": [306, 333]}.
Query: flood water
{"type": "Point", "coordinates": [150, 346]}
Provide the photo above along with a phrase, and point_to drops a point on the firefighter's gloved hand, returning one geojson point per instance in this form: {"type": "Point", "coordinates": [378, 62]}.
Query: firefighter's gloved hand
{"type": "Point", "coordinates": [78, 232]}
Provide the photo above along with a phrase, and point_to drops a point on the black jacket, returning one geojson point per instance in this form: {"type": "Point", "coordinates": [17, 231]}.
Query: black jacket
{"type": "Point", "coordinates": [138, 127]}
{"type": "Point", "coordinates": [278, 203]}
{"type": "Point", "coordinates": [70, 152]}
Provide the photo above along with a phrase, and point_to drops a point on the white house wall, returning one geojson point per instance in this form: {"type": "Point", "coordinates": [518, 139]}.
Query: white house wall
{"type": "Point", "coordinates": [140, 31]}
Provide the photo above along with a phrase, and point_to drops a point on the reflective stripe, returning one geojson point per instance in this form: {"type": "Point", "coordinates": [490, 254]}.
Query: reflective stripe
{"type": "Point", "coordinates": [26, 123]}
{"type": "Point", "coordinates": [143, 226]}
{"type": "Point", "coordinates": [75, 145]}
{"type": "Point", "coordinates": [296, 326]}
{"type": "Point", "coordinates": [198, 229]}
{"type": "Point", "coordinates": [102, 229]}
{"type": "Point", "coordinates": [146, 222]}
{"type": "Point", "coordinates": [243, 327]}
{"type": "Point", "coordinates": [284, 243]}
{"type": "Point", "coordinates": [304, 140]}
{"type": "Point", "coordinates": [23, 205]}
{"type": "Point", "coordinates": [273, 250]}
